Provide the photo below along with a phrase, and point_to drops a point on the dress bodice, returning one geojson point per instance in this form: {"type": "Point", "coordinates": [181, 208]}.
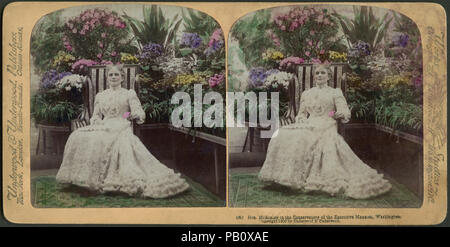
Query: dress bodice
{"type": "Point", "coordinates": [111, 104]}
{"type": "Point", "coordinates": [319, 102]}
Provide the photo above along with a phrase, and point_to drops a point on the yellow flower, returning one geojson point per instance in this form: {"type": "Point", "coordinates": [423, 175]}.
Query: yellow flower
{"type": "Point", "coordinates": [277, 55]}
{"type": "Point", "coordinates": [338, 57]}
{"type": "Point", "coordinates": [128, 58]}
{"type": "Point", "coordinates": [396, 80]}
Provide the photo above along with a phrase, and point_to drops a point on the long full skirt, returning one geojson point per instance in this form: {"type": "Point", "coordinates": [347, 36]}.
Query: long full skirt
{"type": "Point", "coordinates": [312, 159]}
{"type": "Point", "coordinates": [113, 159]}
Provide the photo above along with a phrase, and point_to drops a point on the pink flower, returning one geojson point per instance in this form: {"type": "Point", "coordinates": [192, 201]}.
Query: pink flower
{"type": "Point", "coordinates": [117, 23]}
{"type": "Point", "coordinates": [82, 32]}
{"type": "Point", "coordinates": [310, 43]}
{"type": "Point", "coordinates": [122, 25]}
{"type": "Point", "coordinates": [308, 53]}
{"type": "Point", "coordinates": [320, 19]}
{"type": "Point", "coordinates": [283, 28]}
{"type": "Point", "coordinates": [100, 44]}
{"type": "Point", "coordinates": [293, 26]}
{"type": "Point", "coordinates": [99, 56]}
{"type": "Point", "coordinates": [126, 114]}
{"type": "Point", "coordinates": [113, 54]}
{"type": "Point", "coordinates": [331, 113]}
{"type": "Point", "coordinates": [326, 21]}
{"type": "Point", "coordinates": [216, 80]}
{"type": "Point", "coordinates": [312, 32]}
{"type": "Point", "coordinates": [103, 35]}
{"type": "Point", "coordinates": [110, 21]}
{"type": "Point", "coordinates": [289, 61]}
{"type": "Point", "coordinates": [322, 51]}
{"type": "Point", "coordinates": [315, 60]}
{"type": "Point", "coordinates": [74, 30]}
{"type": "Point", "coordinates": [69, 48]}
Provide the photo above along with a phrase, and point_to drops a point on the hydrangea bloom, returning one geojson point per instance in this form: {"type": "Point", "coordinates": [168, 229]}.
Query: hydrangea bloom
{"type": "Point", "coordinates": [151, 50]}
{"type": "Point", "coordinates": [359, 49]}
{"type": "Point", "coordinates": [191, 40]}
{"type": "Point", "coordinates": [257, 76]}
{"type": "Point", "coordinates": [51, 77]}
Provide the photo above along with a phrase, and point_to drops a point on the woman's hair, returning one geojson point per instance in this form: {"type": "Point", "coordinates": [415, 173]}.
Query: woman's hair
{"type": "Point", "coordinates": [119, 67]}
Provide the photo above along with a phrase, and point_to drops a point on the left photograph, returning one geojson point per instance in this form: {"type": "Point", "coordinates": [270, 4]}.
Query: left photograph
{"type": "Point", "coordinates": [127, 108]}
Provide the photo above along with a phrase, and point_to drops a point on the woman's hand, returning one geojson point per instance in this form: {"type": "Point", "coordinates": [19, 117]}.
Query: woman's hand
{"type": "Point", "coordinates": [137, 117]}
{"type": "Point", "coordinates": [338, 115]}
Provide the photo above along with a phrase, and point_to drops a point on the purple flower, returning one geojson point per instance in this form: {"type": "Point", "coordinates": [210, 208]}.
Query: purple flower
{"type": "Point", "coordinates": [418, 82]}
{"type": "Point", "coordinates": [257, 76]}
{"type": "Point", "coordinates": [401, 40]}
{"type": "Point", "coordinates": [191, 40]}
{"type": "Point", "coordinates": [150, 50]}
{"type": "Point", "coordinates": [51, 77]}
{"type": "Point", "coordinates": [358, 49]}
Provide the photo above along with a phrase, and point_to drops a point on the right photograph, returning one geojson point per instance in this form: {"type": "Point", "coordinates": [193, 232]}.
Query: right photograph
{"type": "Point", "coordinates": [327, 108]}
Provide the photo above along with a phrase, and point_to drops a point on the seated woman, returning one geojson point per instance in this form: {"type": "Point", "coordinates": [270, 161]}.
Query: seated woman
{"type": "Point", "coordinates": [311, 156]}
{"type": "Point", "coordinates": [106, 156]}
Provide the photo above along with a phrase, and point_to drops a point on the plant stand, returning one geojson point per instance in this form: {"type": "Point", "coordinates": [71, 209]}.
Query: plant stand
{"type": "Point", "coordinates": [55, 135]}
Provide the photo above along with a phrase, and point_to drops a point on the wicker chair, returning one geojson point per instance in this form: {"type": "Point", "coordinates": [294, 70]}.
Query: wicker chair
{"type": "Point", "coordinates": [96, 83]}
{"type": "Point", "coordinates": [303, 80]}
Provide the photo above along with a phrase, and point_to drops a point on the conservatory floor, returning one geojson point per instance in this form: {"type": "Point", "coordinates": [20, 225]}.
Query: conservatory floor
{"type": "Point", "coordinates": [47, 193]}
{"type": "Point", "coordinates": [245, 190]}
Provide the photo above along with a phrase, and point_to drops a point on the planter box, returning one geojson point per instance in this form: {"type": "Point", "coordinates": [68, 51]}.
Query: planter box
{"type": "Point", "coordinates": [52, 139]}
{"type": "Point", "coordinates": [202, 157]}
{"type": "Point", "coordinates": [397, 154]}
{"type": "Point", "coordinates": [156, 138]}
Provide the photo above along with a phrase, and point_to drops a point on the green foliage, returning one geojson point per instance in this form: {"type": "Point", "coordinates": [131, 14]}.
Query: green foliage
{"type": "Point", "coordinates": [399, 115]}
{"type": "Point", "coordinates": [46, 41]}
{"type": "Point", "coordinates": [250, 31]}
{"type": "Point", "coordinates": [365, 26]}
{"type": "Point", "coordinates": [361, 104]}
{"type": "Point", "coordinates": [200, 23]}
{"type": "Point", "coordinates": [45, 109]}
{"type": "Point", "coordinates": [155, 28]}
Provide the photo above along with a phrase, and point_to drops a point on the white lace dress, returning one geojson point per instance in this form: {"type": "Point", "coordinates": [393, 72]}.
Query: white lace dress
{"type": "Point", "coordinates": [107, 157]}
{"type": "Point", "coordinates": [311, 156]}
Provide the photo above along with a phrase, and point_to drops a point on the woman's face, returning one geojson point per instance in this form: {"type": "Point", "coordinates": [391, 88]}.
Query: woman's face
{"type": "Point", "coordinates": [114, 77]}
{"type": "Point", "coordinates": [321, 76]}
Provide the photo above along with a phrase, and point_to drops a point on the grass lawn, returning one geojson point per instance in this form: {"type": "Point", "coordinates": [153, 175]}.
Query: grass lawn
{"type": "Point", "coordinates": [247, 191]}
{"type": "Point", "coordinates": [47, 193]}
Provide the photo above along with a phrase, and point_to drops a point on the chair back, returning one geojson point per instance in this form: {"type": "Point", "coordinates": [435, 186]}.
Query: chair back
{"type": "Point", "coordinates": [304, 80]}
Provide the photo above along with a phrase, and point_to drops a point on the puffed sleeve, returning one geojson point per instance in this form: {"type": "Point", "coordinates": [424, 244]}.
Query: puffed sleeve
{"type": "Point", "coordinates": [302, 114]}
{"type": "Point", "coordinates": [341, 105]}
{"type": "Point", "coordinates": [96, 115]}
{"type": "Point", "coordinates": [136, 107]}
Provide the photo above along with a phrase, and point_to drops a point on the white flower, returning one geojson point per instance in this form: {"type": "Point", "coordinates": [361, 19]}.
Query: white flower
{"type": "Point", "coordinates": [278, 79]}
{"type": "Point", "coordinates": [69, 81]}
